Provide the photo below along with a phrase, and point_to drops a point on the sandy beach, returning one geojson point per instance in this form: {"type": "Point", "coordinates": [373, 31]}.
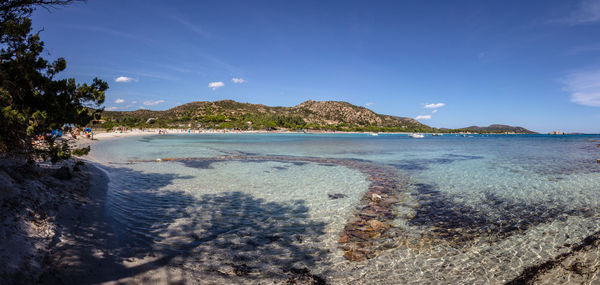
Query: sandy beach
{"type": "Point", "coordinates": [53, 217]}
{"type": "Point", "coordinates": [37, 202]}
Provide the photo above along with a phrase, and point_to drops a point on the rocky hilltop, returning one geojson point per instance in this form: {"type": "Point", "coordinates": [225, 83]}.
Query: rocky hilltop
{"type": "Point", "coordinates": [336, 112]}
{"type": "Point", "coordinates": [331, 115]}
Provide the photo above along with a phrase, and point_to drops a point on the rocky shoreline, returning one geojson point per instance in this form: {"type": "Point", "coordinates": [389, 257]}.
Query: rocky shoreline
{"type": "Point", "coordinates": [32, 197]}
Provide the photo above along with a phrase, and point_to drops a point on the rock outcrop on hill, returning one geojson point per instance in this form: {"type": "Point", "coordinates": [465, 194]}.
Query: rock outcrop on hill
{"type": "Point", "coordinates": [334, 115]}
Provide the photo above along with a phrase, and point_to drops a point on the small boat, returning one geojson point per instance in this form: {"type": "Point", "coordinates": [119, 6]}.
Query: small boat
{"type": "Point", "coordinates": [374, 134]}
{"type": "Point", "coordinates": [416, 136]}
{"type": "Point", "coordinates": [436, 135]}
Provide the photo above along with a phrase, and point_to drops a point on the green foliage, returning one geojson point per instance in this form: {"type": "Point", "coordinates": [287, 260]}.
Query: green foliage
{"type": "Point", "coordinates": [55, 152]}
{"type": "Point", "coordinates": [225, 125]}
{"type": "Point", "coordinates": [271, 124]}
{"type": "Point", "coordinates": [81, 151]}
{"type": "Point", "coordinates": [32, 101]}
{"type": "Point", "coordinates": [109, 125]}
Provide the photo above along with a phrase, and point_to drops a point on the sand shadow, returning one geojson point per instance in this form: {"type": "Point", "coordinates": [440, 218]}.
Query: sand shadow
{"type": "Point", "coordinates": [223, 236]}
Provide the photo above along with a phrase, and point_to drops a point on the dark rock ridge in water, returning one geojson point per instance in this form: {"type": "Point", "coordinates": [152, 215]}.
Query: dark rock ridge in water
{"type": "Point", "coordinates": [497, 218]}
{"type": "Point", "coordinates": [423, 164]}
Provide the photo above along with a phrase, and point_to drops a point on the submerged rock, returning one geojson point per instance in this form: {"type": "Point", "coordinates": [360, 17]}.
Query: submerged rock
{"type": "Point", "coordinates": [375, 197]}
{"type": "Point", "coordinates": [377, 225]}
{"type": "Point", "coordinates": [363, 235]}
{"type": "Point", "coordinates": [353, 255]}
{"type": "Point", "coordinates": [336, 196]}
{"type": "Point", "coordinates": [343, 239]}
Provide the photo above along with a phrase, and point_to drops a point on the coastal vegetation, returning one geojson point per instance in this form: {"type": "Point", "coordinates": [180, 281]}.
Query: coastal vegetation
{"type": "Point", "coordinates": [309, 115]}
{"type": "Point", "coordinates": [228, 114]}
{"type": "Point", "coordinates": [33, 99]}
{"type": "Point", "coordinates": [36, 105]}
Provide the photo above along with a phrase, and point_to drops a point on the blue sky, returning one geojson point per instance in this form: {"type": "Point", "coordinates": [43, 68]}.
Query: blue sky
{"type": "Point", "coordinates": [449, 63]}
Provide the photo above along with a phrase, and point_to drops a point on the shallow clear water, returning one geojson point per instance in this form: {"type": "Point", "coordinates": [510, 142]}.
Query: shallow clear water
{"type": "Point", "coordinates": [474, 209]}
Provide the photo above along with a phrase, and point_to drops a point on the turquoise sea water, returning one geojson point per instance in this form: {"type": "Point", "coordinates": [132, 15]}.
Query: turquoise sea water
{"type": "Point", "coordinates": [475, 209]}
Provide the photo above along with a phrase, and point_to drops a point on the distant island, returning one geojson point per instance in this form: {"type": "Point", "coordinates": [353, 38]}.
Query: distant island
{"type": "Point", "coordinates": [497, 128]}
{"type": "Point", "coordinates": [309, 115]}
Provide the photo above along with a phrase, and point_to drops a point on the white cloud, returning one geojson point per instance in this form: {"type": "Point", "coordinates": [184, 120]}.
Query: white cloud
{"type": "Point", "coordinates": [434, 111]}
{"type": "Point", "coordinates": [133, 102]}
{"type": "Point", "coordinates": [435, 105]}
{"type": "Point", "coordinates": [369, 104]}
{"type": "Point", "coordinates": [125, 79]}
{"type": "Point", "coordinates": [584, 87]}
{"type": "Point", "coordinates": [423, 117]}
{"type": "Point", "coordinates": [119, 101]}
{"type": "Point", "coordinates": [153, 103]}
{"type": "Point", "coordinates": [587, 12]}
{"type": "Point", "coordinates": [216, 84]}
{"type": "Point", "coordinates": [113, 108]}
{"type": "Point", "coordinates": [238, 80]}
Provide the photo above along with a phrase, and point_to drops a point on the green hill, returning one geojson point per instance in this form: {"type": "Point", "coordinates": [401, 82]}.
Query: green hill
{"type": "Point", "coordinates": [228, 114]}
{"type": "Point", "coordinates": [314, 115]}
{"type": "Point", "coordinates": [496, 128]}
